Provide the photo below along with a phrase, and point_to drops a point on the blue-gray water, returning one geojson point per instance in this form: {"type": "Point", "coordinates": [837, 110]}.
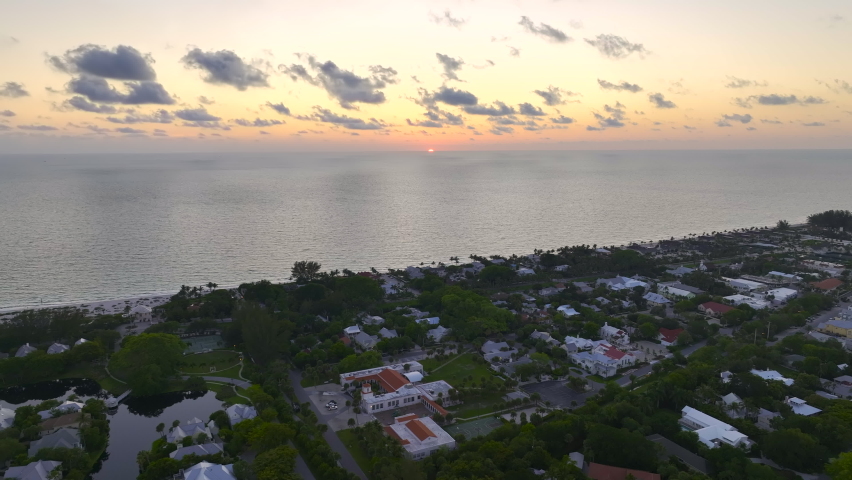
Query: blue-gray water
{"type": "Point", "coordinates": [94, 227]}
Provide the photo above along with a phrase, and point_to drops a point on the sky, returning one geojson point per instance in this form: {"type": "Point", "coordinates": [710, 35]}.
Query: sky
{"type": "Point", "coordinates": [219, 75]}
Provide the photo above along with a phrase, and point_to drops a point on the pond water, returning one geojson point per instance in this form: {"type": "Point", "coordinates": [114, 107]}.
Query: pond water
{"type": "Point", "coordinates": [132, 426]}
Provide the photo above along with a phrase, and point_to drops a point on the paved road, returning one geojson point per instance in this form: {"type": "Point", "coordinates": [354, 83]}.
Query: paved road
{"type": "Point", "coordinates": [812, 324]}
{"type": "Point", "coordinates": [346, 459]}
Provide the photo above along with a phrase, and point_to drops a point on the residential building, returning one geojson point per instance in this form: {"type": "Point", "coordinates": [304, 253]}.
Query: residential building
{"type": "Point", "coordinates": [141, 313]}
{"type": "Point", "coordinates": [66, 407]}
{"type": "Point", "coordinates": [239, 412]}
{"type": "Point", "coordinates": [750, 301]}
{"type": "Point", "coordinates": [668, 337]}
{"type": "Point", "coordinates": [733, 405]}
{"type": "Point", "coordinates": [785, 277]}
{"type": "Point", "coordinates": [544, 336]}
{"type": "Point", "coordinates": [193, 428]}
{"type": "Point", "coordinates": [414, 272]}
{"type": "Point", "coordinates": [614, 335]}
{"type": "Point", "coordinates": [525, 272]}
{"type": "Point", "coordinates": [385, 333]}
{"type": "Point", "coordinates": [501, 350]}
{"type": "Point", "coordinates": [373, 320]}
{"type": "Point", "coordinates": [518, 395]}
{"type": "Point", "coordinates": [656, 300]}
{"type": "Point", "coordinates": [764, 418]}
{"type": "Point", "coordinates": [841, 328]}
{"type": "Point", "coordinates": [680, 271]}
{"type": "Point", "coordinates": [603, 300]}
{"type": "Point", "coordinates": [606, 472]}
{"type": "Point", "coordinates": [367, 342]}
{"type": "Point", "coordinates": [828, 285]}
{"type": "Point", "coordinates": [57, 348]}
{"type": "Point", "coordinates": [714, 309]}
{"type": "Point", "coordinates": [744, 286]}
{"type": "Point", "coordinates": [7, 417]}
{"type": "Point", "coordinates": [583, 287]}
{"type": "Point", "coordinates": [205, 449]}
{"type": "Point", "coordinates": [352, 331]}
{"type": "Point", "coordinates": [53, 424]}
{"type": "Point", "coordinates": [604, 359]}
{"type": "Point", "coordinates": [25, 350]}
{"type": "Point", "coordinates": [429, 320]}
{"type": "Point", "coordinates": [437, 334]}
{"type": "Point", "coordinates": [773, 376]}
{"type": "Point", "coordinates": [680, 290]}
{"type": "Point", "coordinates": [420, 437]}
{"type": "Point", "coordinates": [80, 342]}
{"type": "Point", "coordinates": [800, 407]}
{"type": "Point", "coordinates": [712, 432]}
{"type": "Point", "coordinates": [581, 343]}
{"type": "Point", "coordinates": [561, 268]}
{"type": "Point", "coordinates": [845, 380]}
{"type": "Point", "coordinates": [548, 291]}
{"type": "Point", "coordinates": [567, 310]}
{"type": "Point", "coordinates": [209, 471]}
{"type": "Point", "coordinates": [39, 470]}
{"type": "Point", "coordinates": [62, 438]}
{"type": "Point", "coordinates": [621, 283]}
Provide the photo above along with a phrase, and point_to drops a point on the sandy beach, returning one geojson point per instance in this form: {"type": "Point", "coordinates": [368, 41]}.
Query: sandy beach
{"type": "Point", "coordinates": [99, 307]}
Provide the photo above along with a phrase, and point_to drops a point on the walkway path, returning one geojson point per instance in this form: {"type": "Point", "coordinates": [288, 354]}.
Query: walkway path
{"type": "Point", "coordinates": [225, 380]}
{"type": "Point", "coordinates": [449, 361]}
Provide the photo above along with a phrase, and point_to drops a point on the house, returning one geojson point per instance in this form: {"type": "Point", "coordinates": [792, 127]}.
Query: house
{"type": "Point", "coordinates": [385, 333]}
{"type": "Point", "coordinates": [744, 286]}
{"type": "Point", "coordinates": [714, 309]}
{"type": "Point", "coordinates": [733, 405]}
{"type": "Point", "coordinates": [785, 277]}
{"type": "Point", "coordinates": [352, 331]}
{"type": "Point", "coordinates": [583, 287]}
{"type": "Point", "coordinates": [712, 432]}
{"type": "Point", "coordinates": [66, 407]}
{"type": "Point", "coordinates": [656, 300]}
{"type": "Point", "coordinates": [57, 348]}
{"type": "Point", "coordinates": [603, 300]}
{"type": "Point", "coordinates": [841, 328]}
{"type": "Point", "coordinates": [750, 301]}
{"type": "Point", "coordinates": [668, 337]}
{"type": "Point", "coordinates": [772, 375]}
{"type": "Point", "coordinates": [561, 268]}
{"type": "Point", "coordinates": [603, 251]}
{"type": "Point", "coordinates": [680, 271]}
{"type": "Point", "coordinates": [53, 424]}
{"type": "Point", "coordinates": [437, 334]}
{"type": "Point", "coordinates": [614, 335]}
{"type": "Point", "coordinates": [500, 350]}
{"type": "Point", "coordinates": [420, 437]}
{"type": "Point", "coordinates": [62, 438]}
{"type": "Point", "coordinates": [205, 449]}
{"type": "Point", "coordinates": [373, 320]}
{"type": "Point", "coordinates": [580, 343]}
{"type": "Point", "coordinates": [544, 336]}
{"type": "Point", "coordinates": [593, 308]}
{"type": "Point", "coordinates": [546, 292]}
{"type": "Point", "coordinates": [25, 350]}
{"type": "Point", "coordinates": [367, 342]}
{"type": "Point", "coordinates": [820, 337]}
{"type": "Point", "coordinates": [7, 418]}
{"type": "Point", "coordinates": [828, 285]}
{"type": "Point", "coordinates": [800, 407]}
{"type": "Point", "coordinates": [604, 360]}
{"type": "Point", "coordinates": [567, 310]}
{"type": "Point", "coordinates": [764, 418]}
{"type": "Point", "coordinates": [606, 472]}
{"type": "Point", "coordinates": [680, 290]}
{"type": "Point", "coordinates": [141, 313]}
{"type": "Point", "coordinates": [826, 395]}
{"type": "Point", "coordinates": [671, 449]}
{"type": "Point", "coordinates": [80, 342]}
{"type": "Point", "coordinates": [39, 470]}
{"type": "Point", "coordinates": [239, 412]}
{"type": "Point", "coordinates": [778, 295]}
{"type": "Point", "coordinates": [726, 377]}
{"type": "Point", "coordinates": [845, 380]}
{"type": "Point", "coordinates": [193, 428]}
{"type": "Point", "coordinates": [621, 283]}
{"type": "Point", "coordinates": [429, 320]}
{"type": "Point", "coordinates": [523, 272]}
{"type": "Point", "coordinates": [209, 471]}
{"type": "Point", "coordinates": [414, 272]}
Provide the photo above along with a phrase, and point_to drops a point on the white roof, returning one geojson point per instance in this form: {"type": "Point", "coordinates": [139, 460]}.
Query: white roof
{"type": "Point", "coordinates": [782, 293]}
{"type": "Point", "coordinates": [526, 271]}
{"type": "Point", "coordinates": [57, 348]}
{"type": "Point", "coordinates": [352, 330]}
{"type": "Point", "coordinates": [750, 284]}
{"type": "Point", "coordinates": [80, 342]}
{"type": "Point", "coordinates": [385, 333]}
{"type": "Point", "coordinates": [39, 470]}
{"type": "Point", "coordinates": [209, 471]}
{"type": "Point", "coordinates": [772, 375]}
{"type": "Point", "coordinates": [430, 320]}
{"type": "Point", "coordinates": [800, 407]}
{"type": "Point", "coordinates": [414, 376]}
{"type": "Point", "coordinates": [437, 436]}
{"type": "Point", "coordinates": [581, 343]}
{"type": "Point", "coordinates": [25, 350]}
{"type": "Point", "coordinates": [731, 399]}
{"type": "Point", "coordinates": [7, 417]}
{"type": "Point", "coordinates": [784, 275]}
{"type": "Point", "coordinates": [567, 310]}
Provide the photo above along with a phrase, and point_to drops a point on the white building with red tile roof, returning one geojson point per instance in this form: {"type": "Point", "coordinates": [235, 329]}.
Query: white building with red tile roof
{"type": "Point", "coordinates": [395, 389]}
{"type": "Point", "coordinates": [420, 437]}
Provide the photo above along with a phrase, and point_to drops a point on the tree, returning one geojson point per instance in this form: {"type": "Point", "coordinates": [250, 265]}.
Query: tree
{"type": "Point", "coordinates": [148, 360]}
{"type": "Point", "coordinates": [795, 449]}
{"type": "Point", "coordinates": [305, 271]}
{"type": "Point", "coordinates": [276, 464]}
{"type": "Point", "coordinates": [195, 384]}
{"type": "Point", "coordinates": [10, 448]}
{"type": "Point", "coordinates": [782, 225]}
{"type": "Point", "coordinates": [269, 435]}
{"type": "Point", "coordinates": [160, 427]}
{"type": "Point", "coordinates": [260, 332]}
{"type": "Point", "coordinates": [841, 467]}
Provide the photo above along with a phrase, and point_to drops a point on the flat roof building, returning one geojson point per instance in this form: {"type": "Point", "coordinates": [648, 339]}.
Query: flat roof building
{"type": "Point", "coordinates": [420, 437]}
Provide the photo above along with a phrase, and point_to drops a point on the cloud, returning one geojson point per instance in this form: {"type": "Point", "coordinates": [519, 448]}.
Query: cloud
{"type": "Point", "coordinates": [751, 129]}
{"type": "Point", "coordinates": [677, 88]}
{"type": "Point", "coordinates": [687, 127]}
{"type": "Point", "coordinates": [774, 122]}
{"type": "Point", "coordinates": [343, 85]}
{"type": "Point", "coordinates": [553, 95]}
{"type": "Point", "coordinates": [544, 30]}
{"type": "Point", "coordinates": [562, 120]}
{"type": "Point", "coordinates": [159, 116]}
{"type": "Point", "coordinates": [263, 132]}
{"type": "Point", "coordinates": [499, 130]}
{"type": "Point", "coordinates": [741, 102]}
{"type": "Point", "coordinates": [660, 101]}
{"type": "Point", "coordinates": [98, 130]}
{"type": "Point", "coordinates": [616, 47]}
{"type": "Point", "coordinates": [593, 129]}
{"type": "Point", "coordinates": [8, 41]}
{"type": "Point", "coordinates": [257, 122]}
{"type": "Point", "coordinates": [278, 107]}
{"type": "Point", "coordinates": [447, 19]}
{"type": "Point", "coordinates": [160, 133]}
{"type": "Point", "coordinates": [530, 110]}
{"type": "Point", "coordinates": [39, 128]}
{"type": "Point", "coordinates": [119, 63]}
{"type": "Point", "coordinates": [455, 97]}
{"type": "Point", "coordinates": [776, 100]}
{"type": "Point", "coordinates": [615, 119]}
{"type": "Point", "coordinates": [514, 51]}
{"type": "Point", "coordinates": [499, 109]}
{"type": "Point", "coordinates": [734, 82]}
{"type": "Point", "coordinates": [736, 117]}
{"type": "Point", "coordinates": [196, 115]}
{"type": "Point", "coordinates": [512, 120]}
{"type": "Point", "coordinates": [326, 116]}
{"type": "Point", "coordinates": [226, 68]}
{"type": "Point", "coordinates": [450, 65]}
{"type": "Point", "coordinates": [81, 103]}
{"type": "Point", "coordinates": [814, 124]}
{"type": "Point", "coordinates": [4, 127]}
{"type": "Point", "coordinates": [205, 101]}
{"type": "Point", "coordinates": [722, 123]}
{"type": "Point", "coordinates": [129, 131]}
{"type": "Point", "coordinates": [13, 90]}
{"type": "Point", "coordinates": [98, 90]}
{"type": "Point", "coordinates": [839, 86]}
{"type": "Point", "coordinates": [7, 113]}
{"type": "Point", "coordinates": [620, 87]}
{"type": "Point", "coordinates": [425, 123]}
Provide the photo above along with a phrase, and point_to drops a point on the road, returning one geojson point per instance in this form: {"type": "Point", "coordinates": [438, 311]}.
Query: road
{"type": "Point", "coordinates": [232, 381]}
{"type": "Point", "coordinates": [811, 324]}
{"type": "Point", "coordinates": [346, 459]}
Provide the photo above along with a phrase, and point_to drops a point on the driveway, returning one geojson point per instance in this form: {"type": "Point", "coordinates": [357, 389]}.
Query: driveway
{"type": "Point", "coordinates": [559, 395]}
{"type": "Point", "coordinates": [346, 460]}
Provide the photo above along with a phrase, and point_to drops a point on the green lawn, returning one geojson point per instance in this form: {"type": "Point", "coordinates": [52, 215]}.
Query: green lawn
{"type": "Point", "coordinates": [474, 408]}
{"type": "Point", "coordinates": [217, 387]}
{"type": "Point", "coordinates": [459, 369]}
{"type": "Point", "coordinates": [349, 439]}
{"type": "Point", "coordinates": [202, 363]}
{"type": "Point", "coordinates": [599, 379]}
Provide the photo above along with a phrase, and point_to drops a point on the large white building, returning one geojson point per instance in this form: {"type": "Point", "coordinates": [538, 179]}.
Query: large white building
{"type": "Point", "coordinates": [621, 283]}
{"type": "Point", "coordinates": [614, 335]}
{"type": "Point", "coordinates": [772, 375]}
{"type": "Point", "coordinates": [779, 295]}
{"type": "Point", "coordinates": [604, 359]}
{"type": "Point", "coordinates": [712, 432]}
{"type": "Point", "coordinates": [744, 286]}
{"type": "Point", "coordinates": [750, 301]}
{"type": "Point", "coordinates": [397, 390]}
{"type": "Point", "coordinates": [420, 437]}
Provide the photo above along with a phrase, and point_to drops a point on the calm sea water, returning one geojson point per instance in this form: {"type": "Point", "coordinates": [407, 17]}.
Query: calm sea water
{"type": "Point", "coordinates": [95, 227]}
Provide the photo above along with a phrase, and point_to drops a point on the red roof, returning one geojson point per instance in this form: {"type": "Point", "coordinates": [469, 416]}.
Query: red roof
{"type": "Point", "coordinates": [345, 340]}
{"type": "Point", "coordinates": [443, 411]}
{"type": "Point", "coordinates": [393, 379]}
{"type": "Point", "coordinates": [717, 307]}
{"type": "Point", "coordinates": [393, 434]}
{"type": "Point", "coordinates": [829, 284]}
{"type": "Point", "coordinates": [670, 335]}
{"type": "Point", "coordinates": [405, 418]}
{"type": "Point", "coordinates": [419, 430]}
{"type": "Point", "coordinates": [614, 353]}
{"type": "Point", "coordinates": [605, 472]}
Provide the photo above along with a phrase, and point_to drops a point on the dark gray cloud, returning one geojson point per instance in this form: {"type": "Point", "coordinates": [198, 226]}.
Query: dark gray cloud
{"type": "Point", "coordinates": [81, 103]}
{"type": "Point", "coordinates": [620, 87]}
{"type": "Point", "coordinates": [159, 116]}
{"type": "Point", "coordinates": [660, 101]}
{"type": "Point", "coordinates": [98, 130]}
{"type": "Point", "coordinates": [327, 116]}
{"type": "Point", "coordinates": [593, 129]}
{"type": "Point", "coordinates": [616, 47]}
{"type": "Point", "coordinates": [425, 123]}
{"type": "Point", "coordinates": [196, 115]}
{"type": "Point", "coordinates": [544, 30]}
{"type": "Point", "coordinates": [129, 131]}
{"type": "Point", "coordinates": [160, 133]}
{"type": "Point", "coordinates": [530, 110]}
{"type": "Point", "coordinates": [687, 127]}
{"type": "Point", "coordinates": [205, 101]}
{"type": "Point", "coordinates": [554, 95]}
{"type": "Point", "coordinates": [562, 120]}
{"type": "Point", "coordinates": [450, 65]}
{"type": "Point", "coordinates": [751, 129]}
{"type": "Point", "coordinates": [499, 109]}
{"type": "Point", "coordinates": [119, 63]}
{"type": "Point", "coordinates": [722, 123]}
{"type": "Point", "coordinates": [257, 122]}
{"type": "Point", "coordinates": [447, 19]}
{"type": "Point", "coordinates": [615, 119]}
{"type": "Point", "coordinates": [455, 97]}
{"type": "Point", "coordinates": [343, 85]}
{"type": "Point", "coordinates": [227, 68]}
{"type": "Point", "coordinates": [512, 120]}
{"type": "Point", "coordinates": [500, 130]}
{"type": "Point", "coordinates": [98, 90]}
{"type": "Point", "coordinates": [774, 99]}
{"type": "Point", "coordinates": [7, 113]}
{"type": "Point", "coordinates": [13, 90]}
{"type": "Point", "coordinates": [278, 107]}
{"type": "Point", "coordinates": [814, 124]}
{"type": "Point", "coordinates": [38, 128]}
{"type": "Point", "coordinates": [515, 52]}
{"type": "Point", "coordinates": [736, 117]}
{"type": "Point", "coordinates": [734, 82]}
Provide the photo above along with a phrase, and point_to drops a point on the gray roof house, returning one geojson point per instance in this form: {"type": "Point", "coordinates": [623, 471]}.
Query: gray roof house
{"type": "Point", "coordinates": [39, 470]}
{"type": "Point", "coordinates": [205, 449]}
{"type": "Point", "coordinates": [193, 428]}
{"type": "Point", "coordinates": [437, 334]}
{"type": "Point", "coordinates": [501, 350]}
{"type": "Point", "coordinates": [385, 333]}
{"type": "Point", "coordinates": [680, 271]}
{"type": "Point", "coordinates": [62, 438]}
{"type": "Point", "coordinates": [583, 287]}
{"type": "Point", "coordinates": [366, 342]}
{"type": "Point", "coordinates": [57, 348]}
{"type": "Point", "coordinates": [239, 412]}
{"type": "Point", "coordinates": [209, 471]}
{"type": "Point", "coordinates": [544, 336]}
{"type": "Point", "coordinates": [25, 350]}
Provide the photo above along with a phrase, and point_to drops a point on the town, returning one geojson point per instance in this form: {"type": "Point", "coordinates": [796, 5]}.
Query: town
{"type": "Point", "coordinates": [718, 355]}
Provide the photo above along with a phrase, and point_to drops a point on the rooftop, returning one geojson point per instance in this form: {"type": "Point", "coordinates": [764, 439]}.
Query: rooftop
{"type": "Point", "coordinates": [418, 434]}
{"type": "Point", "coordinates": [606, 472]}
{"type": "Point", "coordinates": [829, 284]}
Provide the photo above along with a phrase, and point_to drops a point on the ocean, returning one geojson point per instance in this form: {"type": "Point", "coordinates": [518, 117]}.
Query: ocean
{"type": "Point", "coordinates": [77, 228]}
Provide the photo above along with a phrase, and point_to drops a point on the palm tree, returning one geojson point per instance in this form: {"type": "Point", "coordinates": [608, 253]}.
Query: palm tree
{"type": "Point", "coordinates": [160, 428]}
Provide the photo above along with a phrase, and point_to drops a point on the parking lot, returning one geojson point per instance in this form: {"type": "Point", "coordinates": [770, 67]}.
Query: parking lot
{"type": "Point", "coordinates": [558, 394]}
